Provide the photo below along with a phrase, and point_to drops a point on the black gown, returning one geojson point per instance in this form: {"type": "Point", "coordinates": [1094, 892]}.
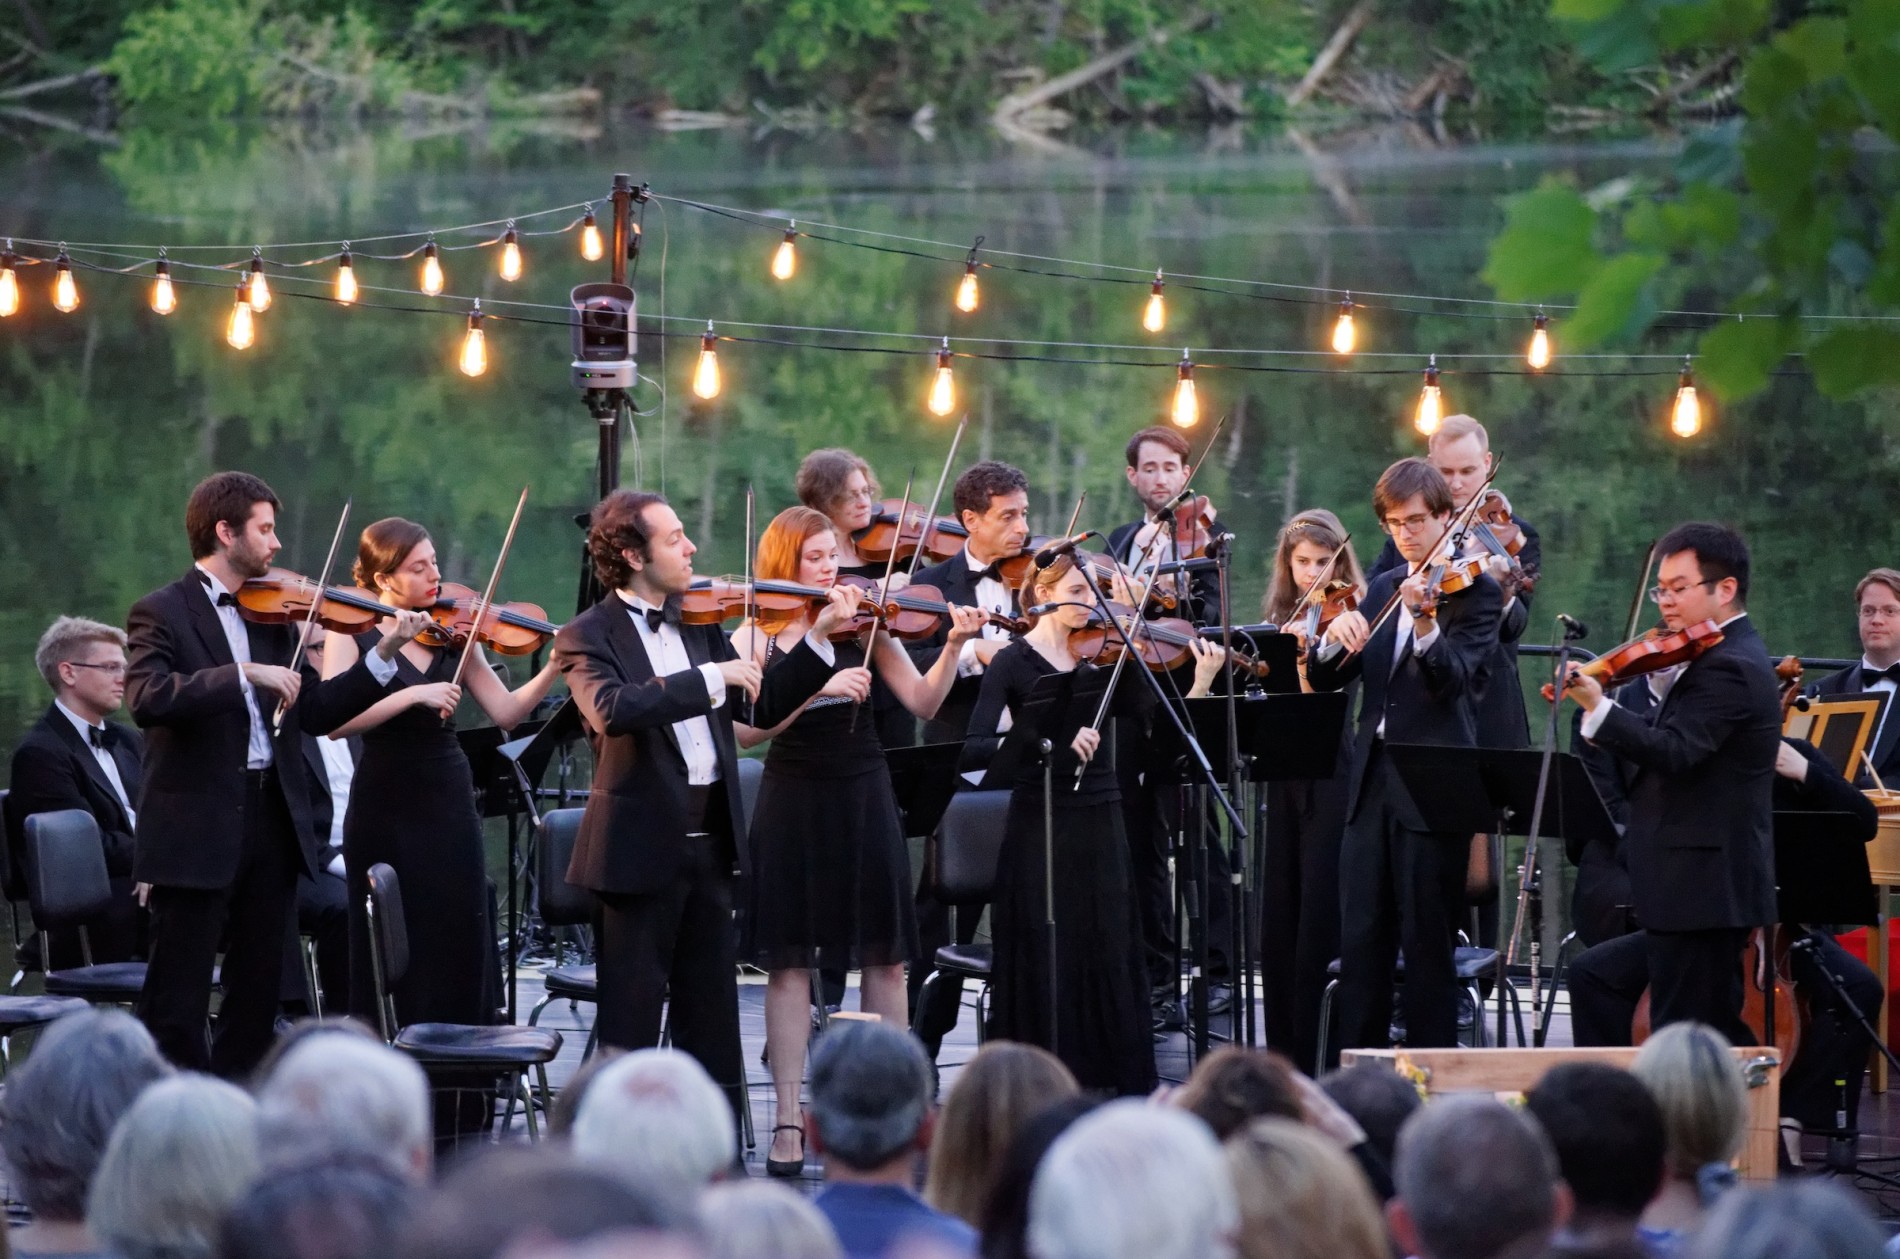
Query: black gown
{"type": "Point", "coordinates": [1101, 1020]}
{"type": "Point", "coordinates": [831, 881]}
{"type": "Point", "coordinates": [896, 728]}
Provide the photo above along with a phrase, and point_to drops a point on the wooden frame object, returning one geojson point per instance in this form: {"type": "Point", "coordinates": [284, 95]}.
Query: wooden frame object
{"type": "Point", "coordinates": [1841, 726]}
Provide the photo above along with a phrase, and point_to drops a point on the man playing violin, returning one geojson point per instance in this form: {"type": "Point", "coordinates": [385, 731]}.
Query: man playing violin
{"type": "Point", "coordinates": [1877, 609]}
{"type": "Point", "coordinates": [1423, 660]}
{"type": "Point", "coordinates": [1699, 841]}
{"type": "Point", "coordinates": [1157, 471]}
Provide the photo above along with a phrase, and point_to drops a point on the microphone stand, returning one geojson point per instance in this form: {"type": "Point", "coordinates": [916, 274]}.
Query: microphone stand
{"type": "Point", "coordinates": [1241, 884]}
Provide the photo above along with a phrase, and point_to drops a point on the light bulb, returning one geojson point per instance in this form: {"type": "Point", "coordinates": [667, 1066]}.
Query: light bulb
{"type": "Point", "coordinates": [1186, 412]}
{"type": "Point", "coordinates": [164, 300]}
{"type": "Point", "coordinates": [260, 287]}
{"type": "Point", "coordinates": [785, 259]}
{"type": "Point", "coordinates": [475, 344]}
{"type": "Point", "coordinates": [511, 254]}
{"type": "Point", "coordinates": [9, 285]}
{"type": "Point", "coordinates": [943, 389]}
{"type": "Point", "coordinates": [241, 331]}
{"type": "Point", "coordinates": [591, 248]}
{"type": "Point", "coordinates": [1685, 419]}
{"type": "Point", "coordinates": [431, 270]}
{"type": "Point", "coordinates": [1431, 405]}
{"type": "Point", "coordinates": [345, 278]}
{"type": "Point", "coordinates": [1345, 336]}
{"type": "Point", "coordinates": [1154, 317]}
{"type": "Point", "coordinates": [1539, 354]}
{"type": "Point", "coordinates": [966, 290]}
{"type": "Point", "coordinates": [706, 375]}
{"type": "Point", "coordinates": [65, 289]}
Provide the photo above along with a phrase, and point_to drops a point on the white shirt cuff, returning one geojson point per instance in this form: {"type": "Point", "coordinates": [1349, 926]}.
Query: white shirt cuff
{"type": "Point", "coordinates": [1593, 719]}
{"type": "Point", "coordinates": [1508, 605]}
{"type": "Point", "coordinates": [967, 664]}
{"type": "Point", "coordinates": [1422, 645]}
{"type": "Point", "coordinates": [715, 683]}
{"type": "Point", "coordinates": [380, 669]}
{"type": "Point", "coordinates": [822, 648]}
{"type": "Point", "coordinates": [1330, 648]}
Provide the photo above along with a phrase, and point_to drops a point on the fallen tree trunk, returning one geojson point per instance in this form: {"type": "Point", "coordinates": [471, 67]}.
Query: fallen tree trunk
{"type": "Point", "coordinates": [1356, 21]}
{"type": "Point", "coordinates": [1011, 107]}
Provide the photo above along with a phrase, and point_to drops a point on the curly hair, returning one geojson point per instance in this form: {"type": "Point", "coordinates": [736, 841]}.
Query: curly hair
{"type": "Point", "coordinates": [226, 497]}
{"type": "Point", "coordinates": [982, 482]}
{"type": "Point", "coordinates": [618, 524]}
{"type": "Point", "coordinates": [822, 476]}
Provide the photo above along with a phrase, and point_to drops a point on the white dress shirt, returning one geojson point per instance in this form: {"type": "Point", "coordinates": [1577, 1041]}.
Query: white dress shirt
{"type": "Point", "coordinates": [339, 770]}
{"type": "Point", "coordinates": [1883, 687]}
{"type": "Point", "coordinates": [239, 639]}
{"type": "Point", "coordinates": [666, 652]}
{"type": "Point", "coordinates": [1659, 687]}
{"type": "Point", "coordinates": [1404, 637]}
{"type": "Point", "coordinates": [102, 755]}
{"type": "Point", "coordinates": [992, 596]}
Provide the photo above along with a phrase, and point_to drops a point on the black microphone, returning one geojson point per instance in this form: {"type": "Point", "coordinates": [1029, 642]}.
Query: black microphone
{"type": "Point", "coordinates": [1573, 628]}
{"type": "Point", "coordinates": [1056, 550]}
{"type": "Point", "coordinates": [1186, 566]}
{"type": "Point", "coordinates": [1187, 492]}
{"type": "Point", "coordinates": [1044, 609]}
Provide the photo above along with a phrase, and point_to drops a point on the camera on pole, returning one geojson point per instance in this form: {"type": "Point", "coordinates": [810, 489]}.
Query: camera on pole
{"type": "Point", "coordinates": [603, 337]}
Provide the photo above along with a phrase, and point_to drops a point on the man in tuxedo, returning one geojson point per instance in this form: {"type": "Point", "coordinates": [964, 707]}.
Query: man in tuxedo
{"type": "Point", "coordinates": [1403, 886]}
{"type": "Point", "coordinates": [223, 812]}
{"type": "Point", "coordinates": [656, 843]}
{"type": "Point", "coordinates": [1700, 840]}
{"type": "Point", "coordinates": [323, 899]}
{"type": "Point", "coordinates": [75, 758]}
{"type": "Point", "coordinates": [1157, 471]}
{"type": "Point", "coordinates": [1877, 605]}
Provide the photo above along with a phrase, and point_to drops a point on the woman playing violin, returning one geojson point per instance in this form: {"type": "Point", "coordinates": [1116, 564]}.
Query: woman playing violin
{"type": "Point", "coordinates": [412, 802]}
{"type": "Point", "coordinates": [831, 880]}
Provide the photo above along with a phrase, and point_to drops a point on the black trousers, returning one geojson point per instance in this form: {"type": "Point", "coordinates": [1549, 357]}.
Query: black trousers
{"type": "Point", "coordinates": [1148, 809]}
{"type": "Point", "coordinates": [677, 946]}
{"type": "Point", "coordinates": [1400, 888]}
{"type": "Point", "coordinates": [936, 924]}
{"type": "Point", "coordinates": [1299, 911]}
{"type": "Point", "coordinates": [248, 917]}
{"type": "Point", "coordinates": [323, 914]}
{"type": "Point", "coordinates": [1691, 975]}
{"type": "Point", "coordinates": [1832, 1058]}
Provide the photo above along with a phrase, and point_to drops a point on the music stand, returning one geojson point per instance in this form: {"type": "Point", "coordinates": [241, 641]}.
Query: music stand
{"type": "Point", "coordinates": [1841, 727]}
{"type": "Point", "coordinates": [519, 763]}
{"type": "Point", "coordinates": [1283, 737]}
{"type": "Point", "coordinates": [923, 778]}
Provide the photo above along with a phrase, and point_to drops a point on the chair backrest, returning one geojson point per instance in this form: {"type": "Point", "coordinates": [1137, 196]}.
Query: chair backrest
{"type": "Point", "coordinates": [388, 939]}
{"type": "Point", "coordinates": [12, 843]}
{"type": "Point", "coordinates": [969, 841]}
{"type": "Point", "coordinates": [561, 903]}
{"type": "Point", "coordinates": [751, 777]}
{"type": "Point", "coordinates": [66, 881]}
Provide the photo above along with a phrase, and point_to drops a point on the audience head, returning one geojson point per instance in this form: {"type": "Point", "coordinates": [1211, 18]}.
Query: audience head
{"type": "Point", "coordinates": [1608, 1134]}
{"type": "Point", "coordinates": [337, 1092]}
{"type": "Point", "coordinates": [1300, 1196]}
{"type": "Point", "coordinates": [995, 1092]}
{"type": "Point", "coordinates": [58, 1109]}
{"type": "Point", "coordinates": [494, 1201]}
{"type": "Point", "coordinates": [343, 1206]}
{"type": "Point", "coordinates": [180, 1158]}
{"type": "Point", "coordinates": [1801, 1219]}
{"type": "Point", "coordinates": [1476, 1180]}
{"type": "Point", "coordinates": [655, 1117]}
{"type": "Point", "coordinates": [1005, 1223]}
{"type": "Point", "coordinates": [1690, 1069]}
{"type": "Point", "coordinates": [1133, 1181]}
{"type": "Point", "coordinates": [1233, 1086]}
{"type": "Point", "coordinates": [1379, 1100]}
{"type": "Point", "coordinates": [870, 1098]}
{"type": "Point", "coordinates": [752, 1218]}
{"type": "Point", "coordinates": [567, 1102]}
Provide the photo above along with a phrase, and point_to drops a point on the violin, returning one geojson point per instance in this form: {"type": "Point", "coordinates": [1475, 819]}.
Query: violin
{"type": "Point", "coordinates": [1163, 644]}
{"type": "Point", "coordinates": [1449, 577]}
{"type": "Point", "coordinates": [1193, 527]}
{"type": "Point", "coordinates": [1014, 569]}
{"type": "Point", "coordinates": [1325, 606]}
{"type": "Point", "coordinates": [509, 629]}
{"type": "Point", "coordinates": [911, 613]}
{"type": "Point", "coordinates": [282, 597]}
{"type": "Point", "coordinates": [1495, 509]}
{"type": "Point", "coordinates": [940, 537]}
{"type": "Point", "coordinates": [1656, 649]}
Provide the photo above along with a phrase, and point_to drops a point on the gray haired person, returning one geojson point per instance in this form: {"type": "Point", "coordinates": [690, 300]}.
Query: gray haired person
{"type": "Point", "coordinates": [656, 1117]}
{"type": "Point", "coordinates": [1803, 1219]}
{"type": "Point", "coordinates": [338, 1093]}
{"type": "Point", "coordinates": [752, 1218]}
{"type": "Point", "coordinates": [180, 1159]}
{"type": "Point", "coordinates": [1476, 1180]}
{"type": "Point", "coordinates": [342, 1206]}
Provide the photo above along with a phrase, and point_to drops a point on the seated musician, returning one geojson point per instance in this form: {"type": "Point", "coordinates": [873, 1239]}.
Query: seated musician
{"type": "Point", "coordinates": [1877, 600]}
{"type": "Point", "coordinates": [75, 758]}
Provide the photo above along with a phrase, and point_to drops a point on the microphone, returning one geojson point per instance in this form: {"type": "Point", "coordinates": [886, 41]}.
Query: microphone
{"type": "Point", "coordinates": [1057, 549]}
{"type": "Point", "coordinates": [1187, 492]}
{"type": "Point", "coordinates": [1187, 566]}
{"type": "Point", "coordinates": [1044, 609]}
{"type": "Point", "coordinates": [1573, 628]}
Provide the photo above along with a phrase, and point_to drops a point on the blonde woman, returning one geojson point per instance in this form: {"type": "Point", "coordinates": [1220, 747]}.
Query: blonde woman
{"type": "Point", "coordinates": [1691, 1071]}
{"type": "Point", "coordinates": [1300, 1196]}
{"type": "Point", "coordinates": [995, 1094]}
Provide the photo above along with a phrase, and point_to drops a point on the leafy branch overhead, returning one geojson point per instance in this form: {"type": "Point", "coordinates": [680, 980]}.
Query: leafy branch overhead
{"type": "Point", "coordinates": [1781, 214]}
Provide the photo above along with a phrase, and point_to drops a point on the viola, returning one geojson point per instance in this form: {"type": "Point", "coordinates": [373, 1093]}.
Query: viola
{"type": "Point", "coordinates": [1495, 509]}
{"type": "Point", "coordinates": [1656, 649]}
{"type": "Point", "coordinates": [1193, 527]}
{"type": "Point", "coordinates": [940, 537]}
{"type": "Point", "coordinates": [913, 612]}
{"type": "Point", "coordinates": [1162, 644]}
{"type": "Point", "coordinates": [281, 597]}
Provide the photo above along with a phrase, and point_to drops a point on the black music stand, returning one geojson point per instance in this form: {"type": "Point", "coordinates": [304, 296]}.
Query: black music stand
{"type": "Point", "coordinates": [923, 778]}
{"type": "Point", "coordinates": [512, 771]}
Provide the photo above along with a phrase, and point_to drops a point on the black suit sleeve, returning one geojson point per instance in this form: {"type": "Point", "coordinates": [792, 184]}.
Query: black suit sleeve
{"type": "Point", "coordinates": [1387, 560]}
{"type": "Point", "coordinates": [323, 704]}
{"type": "Point", "coordinates": [615, 706]}
{"type": "Point", "coordinates": [156, 693]}
{"type": "Point", "coordinates": [1517, 617]}
{"type": "Point", "coordinates": [1456, 662]}
{"type": "Point", "coordinates": [1709, 702]}
{"type": "Point", "coordinates": [1825, 791]}
{"type": "Point", "coordinates": [998, 695]}
{"type": "Point", "coordinates": [46, 780]}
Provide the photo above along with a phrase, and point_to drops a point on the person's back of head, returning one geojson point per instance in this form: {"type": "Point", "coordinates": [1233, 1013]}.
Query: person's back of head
{"type": "Point", "coordinates": [751, 1219]}
{"type": "Point", "coordinates": [870, 1097]}
{"type": "Point", "coordinates": [1690, 1069]}
{"type": "Point", "coordinates": [58, 1109]}
{"type": "Point", "coordinates": [656, 1117]}
{"type": "Point", "coordinates": [1608, 1134]}
{"type": "Point", "coordinates": [490, 1202]}
{"type": "Point", "coordinates": [1803, 1219]}
{"type": "Point", "coordinates": [338, 1093]}
{"type": "Point", "coordinates": [1133, 1181]}
{"type": "Point", "coordinates": [343, 1206]}
{"type": "Point", "coordinates": [1005, 1222]}
{"type": "Point", "coordinates": [567, 1102]}
{"type": "Point", "coordinates": [1378, 1099]}
{"type": "Point", "coordinates": [181, 1156]}
{"type": "Point", "coordinates": [1300, 1197]}
{"type": "Point", "coordinates": [1476, 1180]}
{"type": "Point", "coordinates": [1232, 1087]}
{"type": "Point", "coordinates": [993, 1095]}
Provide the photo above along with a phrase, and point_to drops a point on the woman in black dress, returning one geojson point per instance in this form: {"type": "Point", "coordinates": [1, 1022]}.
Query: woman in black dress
{"type": "Point", "coordinates": [412, 802]}
{"type": "Point", "coordinates": [1100, 1026]}
{"type": "Point", "coordinates": [1306, 820]}
{"type": "Point", "coordinates": [831, 877]}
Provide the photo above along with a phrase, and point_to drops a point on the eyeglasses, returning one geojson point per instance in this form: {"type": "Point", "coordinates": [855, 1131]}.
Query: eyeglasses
{"type": "Point", "coordinates": [113, 670]}
{"type": "Point", "coordinates": [1658, 593]}
{"type": "Point", "coordinates": [1410, 524]}
{"type": "Point", "coordinates": [1886, 612]}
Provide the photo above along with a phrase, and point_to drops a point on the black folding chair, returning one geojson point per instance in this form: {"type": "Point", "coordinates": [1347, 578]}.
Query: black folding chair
{"type": "Point", "coordinates": [969, 844]}
{"type": "Point", "coordinates": [561, 904]}
{"type": "Point", "coordinates": [67, 886]}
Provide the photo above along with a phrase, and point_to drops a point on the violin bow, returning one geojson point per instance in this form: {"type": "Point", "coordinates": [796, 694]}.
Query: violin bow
{"type": "Point", "coordinates": [936, 498]}
{"type": "Point", "coordinates": [751, 593]}
{"type": "Point", "coordinates": [1459, 523]}
{"type": "Point", "coordinates": [1319, 583]}
{"type": "Point", "coordinates": [890, 566]}
{"type": "Point", "coordinates": [1636, 604]}
{"type": "Point", "coordinates": [488, 595]}
{"type": "Point", "coordinates": [310, 618]}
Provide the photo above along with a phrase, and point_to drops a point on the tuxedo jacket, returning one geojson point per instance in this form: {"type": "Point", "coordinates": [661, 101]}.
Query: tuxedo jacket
{"type": "Point", "coordinates": [1429, 698]}
{"type": "Point", "coordinates": [1885, 753]}
{"type": "Point", "coordinates": [1700, 841]}
{"type": "Point", "coordinates": [183, 689]}
{"type": "Point", "coordinates": [322, 806]}
{"type": "Point", "coordinates": [633, 833]}
{"type": "Point", "coordinates": [1203, 602]}
{"type": "Point", "coordinates": [54, 768]}
{"type": "Point", "coordinates": [958, 584]}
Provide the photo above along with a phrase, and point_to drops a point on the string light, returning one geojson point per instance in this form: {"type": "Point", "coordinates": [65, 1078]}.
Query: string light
{"type": "Point", "coordinates": [475, 344]}
{"type": "Point", "coordinates": [706, 374]}
{"type": "Point", "coordinates": [164, 300]}
{"type": "Point", "coordinates": [1154, 317]}
{"type": "Point", "coordinates": [966, 287]}
{"type": "Point", "coordinates": [1345, 337]}
{"type": "Point", "coordinates": [241, 331]}
{"type": "Point", "coordinates": [9, 284]}
{"type": "Point", "coordinates": [260, 287]}
{"type": "Point", "coordinates": [1538, 355]}
{"type": "Point", "coordinates": [431, 269]}
{"type": "Point", "coordinates": [943, 389]}
{"type": "Point", "coordinates": [1685, 419]}
{"type": "Point", "coordinates": [785, 259]}
{"type": "Point", "coordinates": [1431, 406]}
{"type": "Point", "coordinates": [591, 248]}
{"type": "Point", "coordinates": [345, 277]}
{"type": "Point", "coordinates": [1186, 412]}
{"type": "Point", "coordinates": [65, 289]}
{"type": "Point", "coordinates": [511, 253]}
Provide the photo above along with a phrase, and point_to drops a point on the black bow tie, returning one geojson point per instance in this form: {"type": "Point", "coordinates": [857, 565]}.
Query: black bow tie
{"type": "Point", "coordinates": [1870, 676]}
{"type": "Point", "coordinates": [669, 613]}
{"type": "Point", "coordinates": [992, 572]}
{"type": "Point", "coordinates": [96, 736]}
{"type": "Point", "coordinates": [227, 600]}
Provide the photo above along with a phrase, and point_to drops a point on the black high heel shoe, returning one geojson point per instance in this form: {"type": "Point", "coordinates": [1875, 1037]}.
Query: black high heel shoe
{"type": "Point", "coordinates": [788, 1168]}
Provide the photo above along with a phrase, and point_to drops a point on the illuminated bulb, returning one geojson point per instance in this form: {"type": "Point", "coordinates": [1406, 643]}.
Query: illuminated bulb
{"type": "Point", "coordinates": [785, 260]}
{"type": "Point", "coordinates": [966, 289]}
{"type": "Point", "coordinates": [1154, 317]}
{"type": "Point", "coordinates": [475, 344]}
{"type": "Point", "coordinates": [591, 248]}
{"type": "Point", "coordinates": [1431, 405]}
{"type": "Point", "coordinates": [241, 331]}
{"type": "Point", "coordinates": [164, 300]}
{"type": "Point", "coordinates": [65, 289]}
{"type": "Point", "coordinates": [1686, 418]}
{"type": "Point", "coordinates": [1345, 336]}
{"type": "Point", "coordinates": [1186, 412]}
{"type": "Point", "coordinates": [260, 287]}
{"type": "Point", "coordinates": [9, 286]}
{"type": "Point", "coordinates": [345, 278]}
{"type": "Point", "coordinates": [511, 254]}
{"type": "Point", "coordinates": [1539, 354]}
{"type": "Point", "coordinates": [943, 389]}
{"type": "Point", "coordinates": [431, 270]}
{"type": "Point", "coordinates": [706, 375]}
